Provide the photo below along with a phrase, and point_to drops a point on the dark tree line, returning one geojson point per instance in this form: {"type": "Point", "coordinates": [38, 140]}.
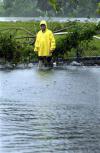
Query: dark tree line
{"type": "Point", "coordinates": [66, 8]}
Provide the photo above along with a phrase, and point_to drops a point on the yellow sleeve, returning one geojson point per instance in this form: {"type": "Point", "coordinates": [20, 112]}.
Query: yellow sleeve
{"type": "Point", "coordinates": [36, 44]}
{"type": "Point", "coordinates": [53, 43]}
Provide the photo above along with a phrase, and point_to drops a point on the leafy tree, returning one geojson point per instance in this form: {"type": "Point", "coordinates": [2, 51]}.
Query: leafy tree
{"type": "Point", "coordinates": [98, 9]}
{"type": "Point", "coordinates": [67, 8]}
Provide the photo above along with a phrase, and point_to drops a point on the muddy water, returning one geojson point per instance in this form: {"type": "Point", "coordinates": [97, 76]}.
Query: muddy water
{"type": "Point", "coordinates": [56, 111]}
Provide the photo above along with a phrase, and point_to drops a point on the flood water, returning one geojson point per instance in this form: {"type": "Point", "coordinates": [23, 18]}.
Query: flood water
{"type": "Point", "coordinates": [52, 111]}
{"type": "Point", "coordinates": [57, 19]}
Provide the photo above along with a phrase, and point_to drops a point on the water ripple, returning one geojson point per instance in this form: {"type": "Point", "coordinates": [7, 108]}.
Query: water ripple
{"type": "Point", "coordinates": [50, 125]}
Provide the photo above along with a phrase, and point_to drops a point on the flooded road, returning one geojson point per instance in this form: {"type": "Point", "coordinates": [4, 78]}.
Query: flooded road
{"type": "Point", "coordinates": [55, 111]}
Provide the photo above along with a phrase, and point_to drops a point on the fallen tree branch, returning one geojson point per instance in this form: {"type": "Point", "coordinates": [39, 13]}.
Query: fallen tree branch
{"type": "Point", "coordinates": [96, 37]}
{"type": "Point", "coordinates": [17, 28]}
{"type": "Point", "coordinates": [24, 37]}
{"type": "Point", "coordinates": [57, 33]}
{"type": "Point", "coordinates": [63, 29]}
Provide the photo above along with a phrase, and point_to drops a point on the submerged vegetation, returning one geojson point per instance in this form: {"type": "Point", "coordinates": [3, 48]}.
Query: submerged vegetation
{"type": "Point", "coordinates": [17, 40]}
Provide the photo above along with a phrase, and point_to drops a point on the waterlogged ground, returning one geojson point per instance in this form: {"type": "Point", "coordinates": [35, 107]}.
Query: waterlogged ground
{"type": "Point", "coordinates": [55, 111]}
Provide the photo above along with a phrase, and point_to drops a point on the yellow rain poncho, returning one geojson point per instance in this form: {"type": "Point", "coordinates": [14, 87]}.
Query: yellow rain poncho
{"type": "Point", "coordinates": [45, 42]}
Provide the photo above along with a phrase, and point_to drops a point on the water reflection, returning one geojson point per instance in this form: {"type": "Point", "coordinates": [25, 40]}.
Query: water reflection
{"type": "Point", "coordinates": [57, 116]}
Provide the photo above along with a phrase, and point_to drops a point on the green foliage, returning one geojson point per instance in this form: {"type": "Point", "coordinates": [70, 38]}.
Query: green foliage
{"type": "Point", "coordinates": [77, 39]}
{"type": "Point", "coordinates": [65, 8]}
{"type": "Point", "coordinates": [27, 54]}
{"type": "Point", "coordinates": [98, 27]}
{"type": "Point", "coordinates": [15, 51]}
{"type": "Point", "coordinates": [78, 42]}
{"type": "Point", "coordinates": [8, 46]}
{"type": "Point", "coordinates": [55, 5]}
{"type": "Point", "coordinates": [98, 9]}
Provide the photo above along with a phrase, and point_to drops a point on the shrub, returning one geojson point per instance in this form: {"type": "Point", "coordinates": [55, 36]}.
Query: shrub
{"type": "Point", "coordinates": [9, 48]}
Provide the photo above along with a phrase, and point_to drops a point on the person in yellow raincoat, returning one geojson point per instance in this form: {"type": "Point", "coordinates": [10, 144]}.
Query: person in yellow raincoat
{"type": "Point", "coordinates": [44, 45]}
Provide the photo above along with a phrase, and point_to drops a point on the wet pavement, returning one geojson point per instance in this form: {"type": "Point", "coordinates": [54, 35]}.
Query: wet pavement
{"type": "Point", "coordinates": [52, 111]}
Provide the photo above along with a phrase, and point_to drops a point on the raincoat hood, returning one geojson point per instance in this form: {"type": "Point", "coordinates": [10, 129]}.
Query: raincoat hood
{"type": "Point", "coordinates": [43, 22]}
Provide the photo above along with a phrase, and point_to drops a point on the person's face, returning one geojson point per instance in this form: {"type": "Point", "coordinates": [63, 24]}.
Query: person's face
{"type": "Point", "coordinates": [43, 27]}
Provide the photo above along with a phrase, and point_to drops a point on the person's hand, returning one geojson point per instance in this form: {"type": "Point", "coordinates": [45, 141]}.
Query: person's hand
{"type": "Point", "coordinates": [51, 51]}
{"type": "Point", "coordinates": [36, 52]}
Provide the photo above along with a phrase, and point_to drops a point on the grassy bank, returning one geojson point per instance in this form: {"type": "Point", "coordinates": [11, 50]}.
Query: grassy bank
{"type": "Point", "coordinates": [17, 47]}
